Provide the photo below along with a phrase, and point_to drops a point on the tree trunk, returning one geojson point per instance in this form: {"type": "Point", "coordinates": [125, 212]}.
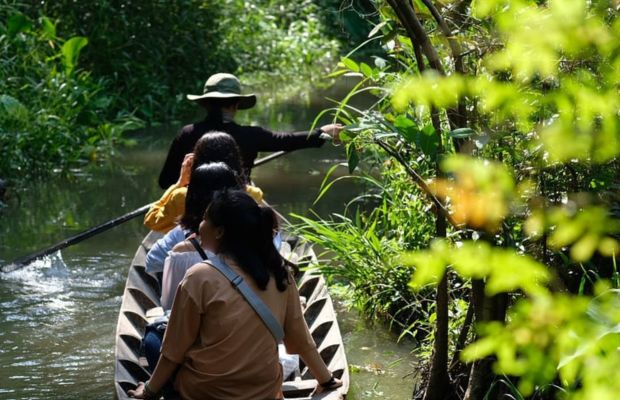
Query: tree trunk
{"type": "Point", "coordinates": [478, 375]}
{"type": "Point", "coordinates": [438, 386]}
{"type": "Point", "coordinates": [462, 339]}
{"type": "Point", "coordinates": [479, 379]}
{"type": "Point", "coordinates": [481, 374]}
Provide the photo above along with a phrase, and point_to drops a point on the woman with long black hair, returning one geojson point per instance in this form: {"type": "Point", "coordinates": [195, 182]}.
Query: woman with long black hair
{"type": "Point", "coordinates": [216, 346]}
{"type": "Point", "coordinates": [211, 147]}
{"type": "Point", "coordinates": [205, 179]}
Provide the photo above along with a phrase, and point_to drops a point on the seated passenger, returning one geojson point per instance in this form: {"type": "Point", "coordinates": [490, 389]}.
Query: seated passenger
{"type": "Point", "coordinates": [211, 147]}
{"type": "Point", "coordinates": [183, 256]}
{"type": "Point", "coordinates": [216, 346]}
{"type": "Point", "coordinates": [205, 179]}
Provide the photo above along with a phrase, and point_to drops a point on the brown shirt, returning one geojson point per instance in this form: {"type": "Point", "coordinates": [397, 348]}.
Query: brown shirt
{"type": "Point", "coordinates": [225, 349]}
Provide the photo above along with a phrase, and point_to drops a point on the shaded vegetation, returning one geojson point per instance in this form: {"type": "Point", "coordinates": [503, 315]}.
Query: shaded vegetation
{"type": "Point", "coordinates": [75, 76]}
{"type": "Point", "coordinates": [52, 113]}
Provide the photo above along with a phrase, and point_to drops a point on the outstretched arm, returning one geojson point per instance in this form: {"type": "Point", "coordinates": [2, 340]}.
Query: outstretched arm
{"type": "Point", "coordinates": [288, 141]}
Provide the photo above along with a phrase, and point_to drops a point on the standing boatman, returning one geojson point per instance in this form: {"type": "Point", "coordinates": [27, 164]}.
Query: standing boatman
{"type": "Point", "coordinates": [221, 99]}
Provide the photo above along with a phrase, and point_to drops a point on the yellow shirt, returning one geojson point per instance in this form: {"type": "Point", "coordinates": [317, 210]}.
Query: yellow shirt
{"type": "Point", "coordinates": [163, 215]}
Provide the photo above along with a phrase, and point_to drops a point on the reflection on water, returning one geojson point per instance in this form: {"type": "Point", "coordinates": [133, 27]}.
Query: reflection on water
{"type": "Point", "coordinates": [379, 367]}
{"type": "Point", "coordinates": [58, 315]}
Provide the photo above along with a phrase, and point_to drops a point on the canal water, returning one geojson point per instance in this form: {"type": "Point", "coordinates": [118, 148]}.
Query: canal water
{"type": "Point", "coordinates": [58, 315]}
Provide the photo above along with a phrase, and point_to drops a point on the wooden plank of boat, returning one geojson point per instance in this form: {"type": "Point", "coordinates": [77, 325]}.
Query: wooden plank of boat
{"type": "Point", "coordinates": [141, 294]}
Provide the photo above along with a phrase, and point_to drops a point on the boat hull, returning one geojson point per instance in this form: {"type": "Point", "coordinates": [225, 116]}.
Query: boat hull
{"type": "Point", "coordinates": [141, 294]}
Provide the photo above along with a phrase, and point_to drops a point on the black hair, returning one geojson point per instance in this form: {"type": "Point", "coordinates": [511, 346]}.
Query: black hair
{"type": "Point", "coordinates": [219, 146]}
{"type": "Point", "coordinates": [248, 236]}
{"type": "Point", "coordinates": [204, 181]}
{"type": "Point", "coordinates": [214, 108]}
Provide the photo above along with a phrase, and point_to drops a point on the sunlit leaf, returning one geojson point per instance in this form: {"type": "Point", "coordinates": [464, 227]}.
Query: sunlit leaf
{"type": "Point", "coordinates": [71, 51]}
{"type": "Point", "coordinates": [367, 70]}
{"type": "Point", "coordinates": [377, 28]}
{"type": "Point", "coordinates": [583, 249]}
{"type": "Point", "coordinates": [608, 247]}
{"type": "Point", "coordinates": [350, 64]}
{"type": "Point", "coordinates": [48, 28]}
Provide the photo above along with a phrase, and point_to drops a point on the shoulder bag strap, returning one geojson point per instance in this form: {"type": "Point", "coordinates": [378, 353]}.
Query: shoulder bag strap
{"type": "Point", "coordinates": [237, 281]}
{"type": "Point", "coordinates": [198, 248]}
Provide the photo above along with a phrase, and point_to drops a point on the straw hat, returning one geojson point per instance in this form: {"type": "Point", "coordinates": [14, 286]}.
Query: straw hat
{"type": "Point", "coordinates": [224, 86]}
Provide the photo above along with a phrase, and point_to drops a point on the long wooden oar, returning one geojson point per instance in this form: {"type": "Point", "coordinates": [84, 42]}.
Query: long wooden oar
{"type": "Point", "coordinates": [22, 262]}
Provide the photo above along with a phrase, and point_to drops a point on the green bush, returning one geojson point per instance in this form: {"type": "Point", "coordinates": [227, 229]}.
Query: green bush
{"type": "Point", "coordinates": [160, 51]}
{"type": "Point", "coordinates": [51, 113]}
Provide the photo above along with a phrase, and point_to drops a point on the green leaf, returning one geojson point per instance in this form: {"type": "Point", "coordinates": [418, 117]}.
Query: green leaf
{"type": "Point", "coordinates": [352, 157]}
{"type": "Point", "coordinates": [352, 65]}
{"type": "Point", "coordinates": [462, 133]}
{"type": "Point", "coordinates": [337, 73]}
{"type": "Point", "coordinates": [48, 28]}
{"type": "Point", "coordinates": [407, 128]}
{"type": "Point", "coordinates": [71, 51]}
{"type": "Point", "coordinates": [367, 70]}
{"type": "Point", "coordinates": [377, 28]}
{"type": "Point", "coordinates": [583, 249]}
{"type": "Point", "coordinates": [18, 23]}
{"type": "Point", "coordinates": [428, 141]}
{"type": "Point", "coordinates": [479, 349]}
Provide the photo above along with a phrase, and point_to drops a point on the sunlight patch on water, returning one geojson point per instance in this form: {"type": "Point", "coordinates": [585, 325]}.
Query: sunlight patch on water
{"type": "Point", "coordinates": [41, 272]}
{"type": "Point", "coordinates": [58, 321]}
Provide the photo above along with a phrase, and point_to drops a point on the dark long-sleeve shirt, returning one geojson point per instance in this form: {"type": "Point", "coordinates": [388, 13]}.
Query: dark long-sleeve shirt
{"type": "Point", "coordinates": [250, 139]}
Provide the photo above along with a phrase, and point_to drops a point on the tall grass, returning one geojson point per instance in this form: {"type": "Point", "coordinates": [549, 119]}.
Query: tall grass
{"type": "Point", "coordinates": [363, 244]}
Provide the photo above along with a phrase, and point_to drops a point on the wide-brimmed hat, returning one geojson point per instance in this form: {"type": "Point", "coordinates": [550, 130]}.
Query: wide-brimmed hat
{"type": "Point", "coordinates": [224, 86]}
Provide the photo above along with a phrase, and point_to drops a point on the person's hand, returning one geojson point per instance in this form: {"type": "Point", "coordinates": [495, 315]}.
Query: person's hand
{"type": "Point", "coordinates": [333, 130]}
{"type": "Point", "coordinates": [335, 385]}
{"type": "Point", "coordinates": [139, 392]}
{"type": "Point", "coordinates": [186, 170]}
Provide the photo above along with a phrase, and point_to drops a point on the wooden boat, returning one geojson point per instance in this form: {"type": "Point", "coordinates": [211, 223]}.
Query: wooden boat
{"type": "Point", "coordinates": [142, 294]}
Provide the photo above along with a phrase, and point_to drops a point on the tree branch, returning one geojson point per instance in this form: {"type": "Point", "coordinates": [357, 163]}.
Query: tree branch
{"type": "Point", "coordinates": [416, 32]}
{"type": "Point", "coordinates": [441, 208]}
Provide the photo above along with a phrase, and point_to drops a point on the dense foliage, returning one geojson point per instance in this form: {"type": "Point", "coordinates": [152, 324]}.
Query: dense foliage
{"type": "Point", "coordinates": [503, 116]}
{"type": "Point", "coordinates": [75, 75]}
{"type": "Point", "coordinates": [51, 113]}
{"type": "Point", "coordinates": [159, 51]}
